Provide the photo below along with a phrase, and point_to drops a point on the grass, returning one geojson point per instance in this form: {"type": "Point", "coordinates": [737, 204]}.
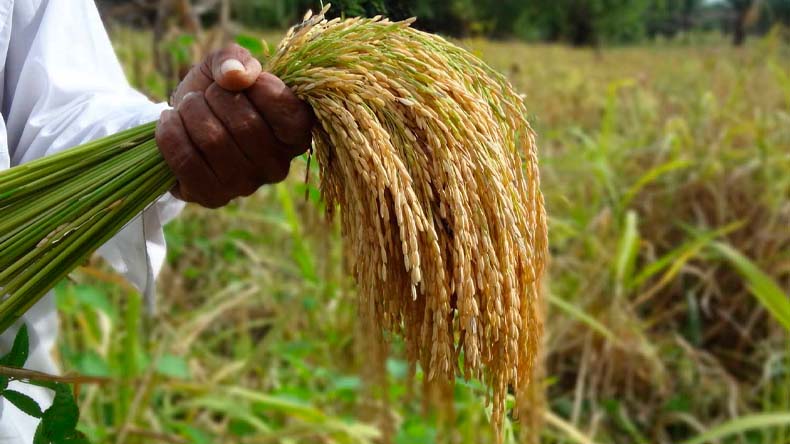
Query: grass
{"type": "Point", "coordinates": [667, 178]}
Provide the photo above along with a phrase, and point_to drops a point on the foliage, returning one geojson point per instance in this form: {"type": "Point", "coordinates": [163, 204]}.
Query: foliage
{"type": "Point", "coordinates": [59, 421]}
{"type": "Point", "coordinates": [581, 22]}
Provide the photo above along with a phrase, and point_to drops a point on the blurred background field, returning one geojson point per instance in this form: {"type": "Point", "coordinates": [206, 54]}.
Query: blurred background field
{"type": "Point", "coordinates": [665, 160]}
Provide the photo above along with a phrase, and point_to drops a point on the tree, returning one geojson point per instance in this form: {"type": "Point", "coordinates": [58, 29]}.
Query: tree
{"type": "Point", "coordinates": [582, 22]}
{"type": "Point", "coordinates": [668, 17]}
{"type": "Point", "coordinates": [745, 12]}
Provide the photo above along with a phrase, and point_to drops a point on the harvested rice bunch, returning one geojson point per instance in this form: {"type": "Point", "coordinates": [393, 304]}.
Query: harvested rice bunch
{"type": "Point", "coordinates": [425, 151]}
{"type": "Point", "coordinates": [422, 146]}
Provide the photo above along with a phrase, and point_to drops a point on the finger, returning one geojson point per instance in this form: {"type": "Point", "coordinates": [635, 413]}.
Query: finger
{"type": "Point", "coordinates": [291, 119]}
{"type": "Point", "coordinates": [196, 181]}
{"type": "Point", "coordinates": [232, 168]}
{"type": "Point", "coordinates": [234, 68]}
{"type": "Point", "coordinates": [250, 132]}
{"type": "Point", "coordinates": [197, 80]}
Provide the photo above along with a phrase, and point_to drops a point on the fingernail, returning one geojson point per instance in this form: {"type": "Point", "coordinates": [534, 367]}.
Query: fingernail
{"type": "Point", "coordinates": [231, 65]}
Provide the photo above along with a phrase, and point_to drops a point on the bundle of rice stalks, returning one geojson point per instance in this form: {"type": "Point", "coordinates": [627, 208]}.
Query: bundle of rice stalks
{"type": "Point", "coordinates": [425, 151]}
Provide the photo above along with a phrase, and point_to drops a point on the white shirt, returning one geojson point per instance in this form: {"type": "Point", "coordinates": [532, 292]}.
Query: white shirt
{"type": "Point", "coordinates": [62, 86]}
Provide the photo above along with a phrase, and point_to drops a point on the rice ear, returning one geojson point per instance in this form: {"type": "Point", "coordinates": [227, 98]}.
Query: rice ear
{"type": "Point", "coordinates": [428, 155]}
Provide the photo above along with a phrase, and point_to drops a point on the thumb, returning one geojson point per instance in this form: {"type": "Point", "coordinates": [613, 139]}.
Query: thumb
{"type": "Point", "coordinates": [234, 68]}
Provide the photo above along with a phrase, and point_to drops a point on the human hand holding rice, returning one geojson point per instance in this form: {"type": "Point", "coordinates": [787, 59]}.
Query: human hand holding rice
{"type": "Point", "coordinates": [232, 129]}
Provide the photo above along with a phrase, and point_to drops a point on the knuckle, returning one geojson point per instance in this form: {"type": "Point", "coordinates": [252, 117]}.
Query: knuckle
{"type": "Point", "coordinates": [213, 138]}
{"type": "Point", "coordinates": [238, 49]}
{"type": "Point", "coordinates": [245, 123]}
{"type": "Point", "coordinates": [210, 135]}
{"type": "Point", "coordinates": [233, 47]}
{"type": "Point", "coordinates": [214, 94]}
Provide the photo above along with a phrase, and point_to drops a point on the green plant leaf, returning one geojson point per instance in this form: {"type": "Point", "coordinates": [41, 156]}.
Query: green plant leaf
{"type": "Point", "coordinates": [39, 437]}
{"type": "Point", "coordinates": [95, 298]}
{"type": "Point", "coordinates": [173, 366]}
{"type": "Point", "coordinates": [742, 424]}
{"type": "Point", "coordinates": [674, 260]}
{"type": "Point", "coordinates": [650, 176]}
{"type": "Point", "coordinates": [23, 402]}
{"type": "Point", "coordinates": [252, 44]}
{"type": "Point", "coordinates": [19, 351]}
{"type": "Point", "coordinates": [194, 434]}
{"type": "Point", "coordinates": [76, 437]}
{"type": "Point", "coordinates": [582, 317]}
{"type": "Point", "coordinates": [90, 363]}
{"type": "Point", "coordinates": [231, 408]}
{"type": "Point", "coordinates": [626, 253]}
{"type": "Point", "coordinates": [60, 419]}
{"type": "Point", "coordinates": [301, 253]}
{"type": "Point", "coordinates": [762, 286]}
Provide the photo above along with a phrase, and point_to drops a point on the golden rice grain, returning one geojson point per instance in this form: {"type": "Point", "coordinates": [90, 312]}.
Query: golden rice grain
{"type": "Point", "coordinates": [429, 156]}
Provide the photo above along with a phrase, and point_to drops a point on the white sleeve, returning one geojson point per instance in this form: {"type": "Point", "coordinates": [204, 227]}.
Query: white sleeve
{"type": "Point", "coordinates": [65, 86]}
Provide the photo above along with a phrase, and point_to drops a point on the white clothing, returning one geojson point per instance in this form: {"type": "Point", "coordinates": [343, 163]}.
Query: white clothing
{"type": "Point", "coordinates": [62, 85]}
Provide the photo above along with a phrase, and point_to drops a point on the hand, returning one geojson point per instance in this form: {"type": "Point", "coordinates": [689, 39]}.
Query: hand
{"type": "Point", "coordinates": [232, 129]}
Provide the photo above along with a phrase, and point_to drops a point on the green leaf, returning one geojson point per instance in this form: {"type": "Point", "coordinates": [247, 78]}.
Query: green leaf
{"type": "Point", "coordinates": [76, 437]}
{"type": "Point", "coordinates": [193, 434]}
{"type": "Point", "coordinates": [583, 317]}
{"type": "Point", "coordinates": [252, 44]}
{"type": "Point", "coordinates": [40, 437]}
{"type": "Point", "coordinates": [740, 425]}
{"type": "Point", "coordinates": [173, 366]}
{"type": "Point", "coordinates": [19, 351]}
{"type": "Point", "coordinates": [60, 419]}
{"type": "Point", "coordinates": [416, 432]}
{"type": "Point", "coordinates": [674, 260]}
{"type": "Point", "coordinates": [232, 409]}
{"type": "Point", "coordinates": [346, 383]}
{"type": "Point", "coordinates": [651, 176]}
{"type": "Point", "coordinates": [301, 252]}
{"type": "Point", "coordinates": [626, 253]}
{"type": "Point", "coordinates": [762, 286]}
{"type": "Point", "coordinates": [91, 364]}
{"type": "Point", "coordinates": [94, 298]}
{"type": "Point", "coordinates": [23, 402]}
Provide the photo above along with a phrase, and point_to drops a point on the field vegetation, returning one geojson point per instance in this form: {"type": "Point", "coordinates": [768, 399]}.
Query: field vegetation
{"type": "Point", "coordinates": [666, 170]}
